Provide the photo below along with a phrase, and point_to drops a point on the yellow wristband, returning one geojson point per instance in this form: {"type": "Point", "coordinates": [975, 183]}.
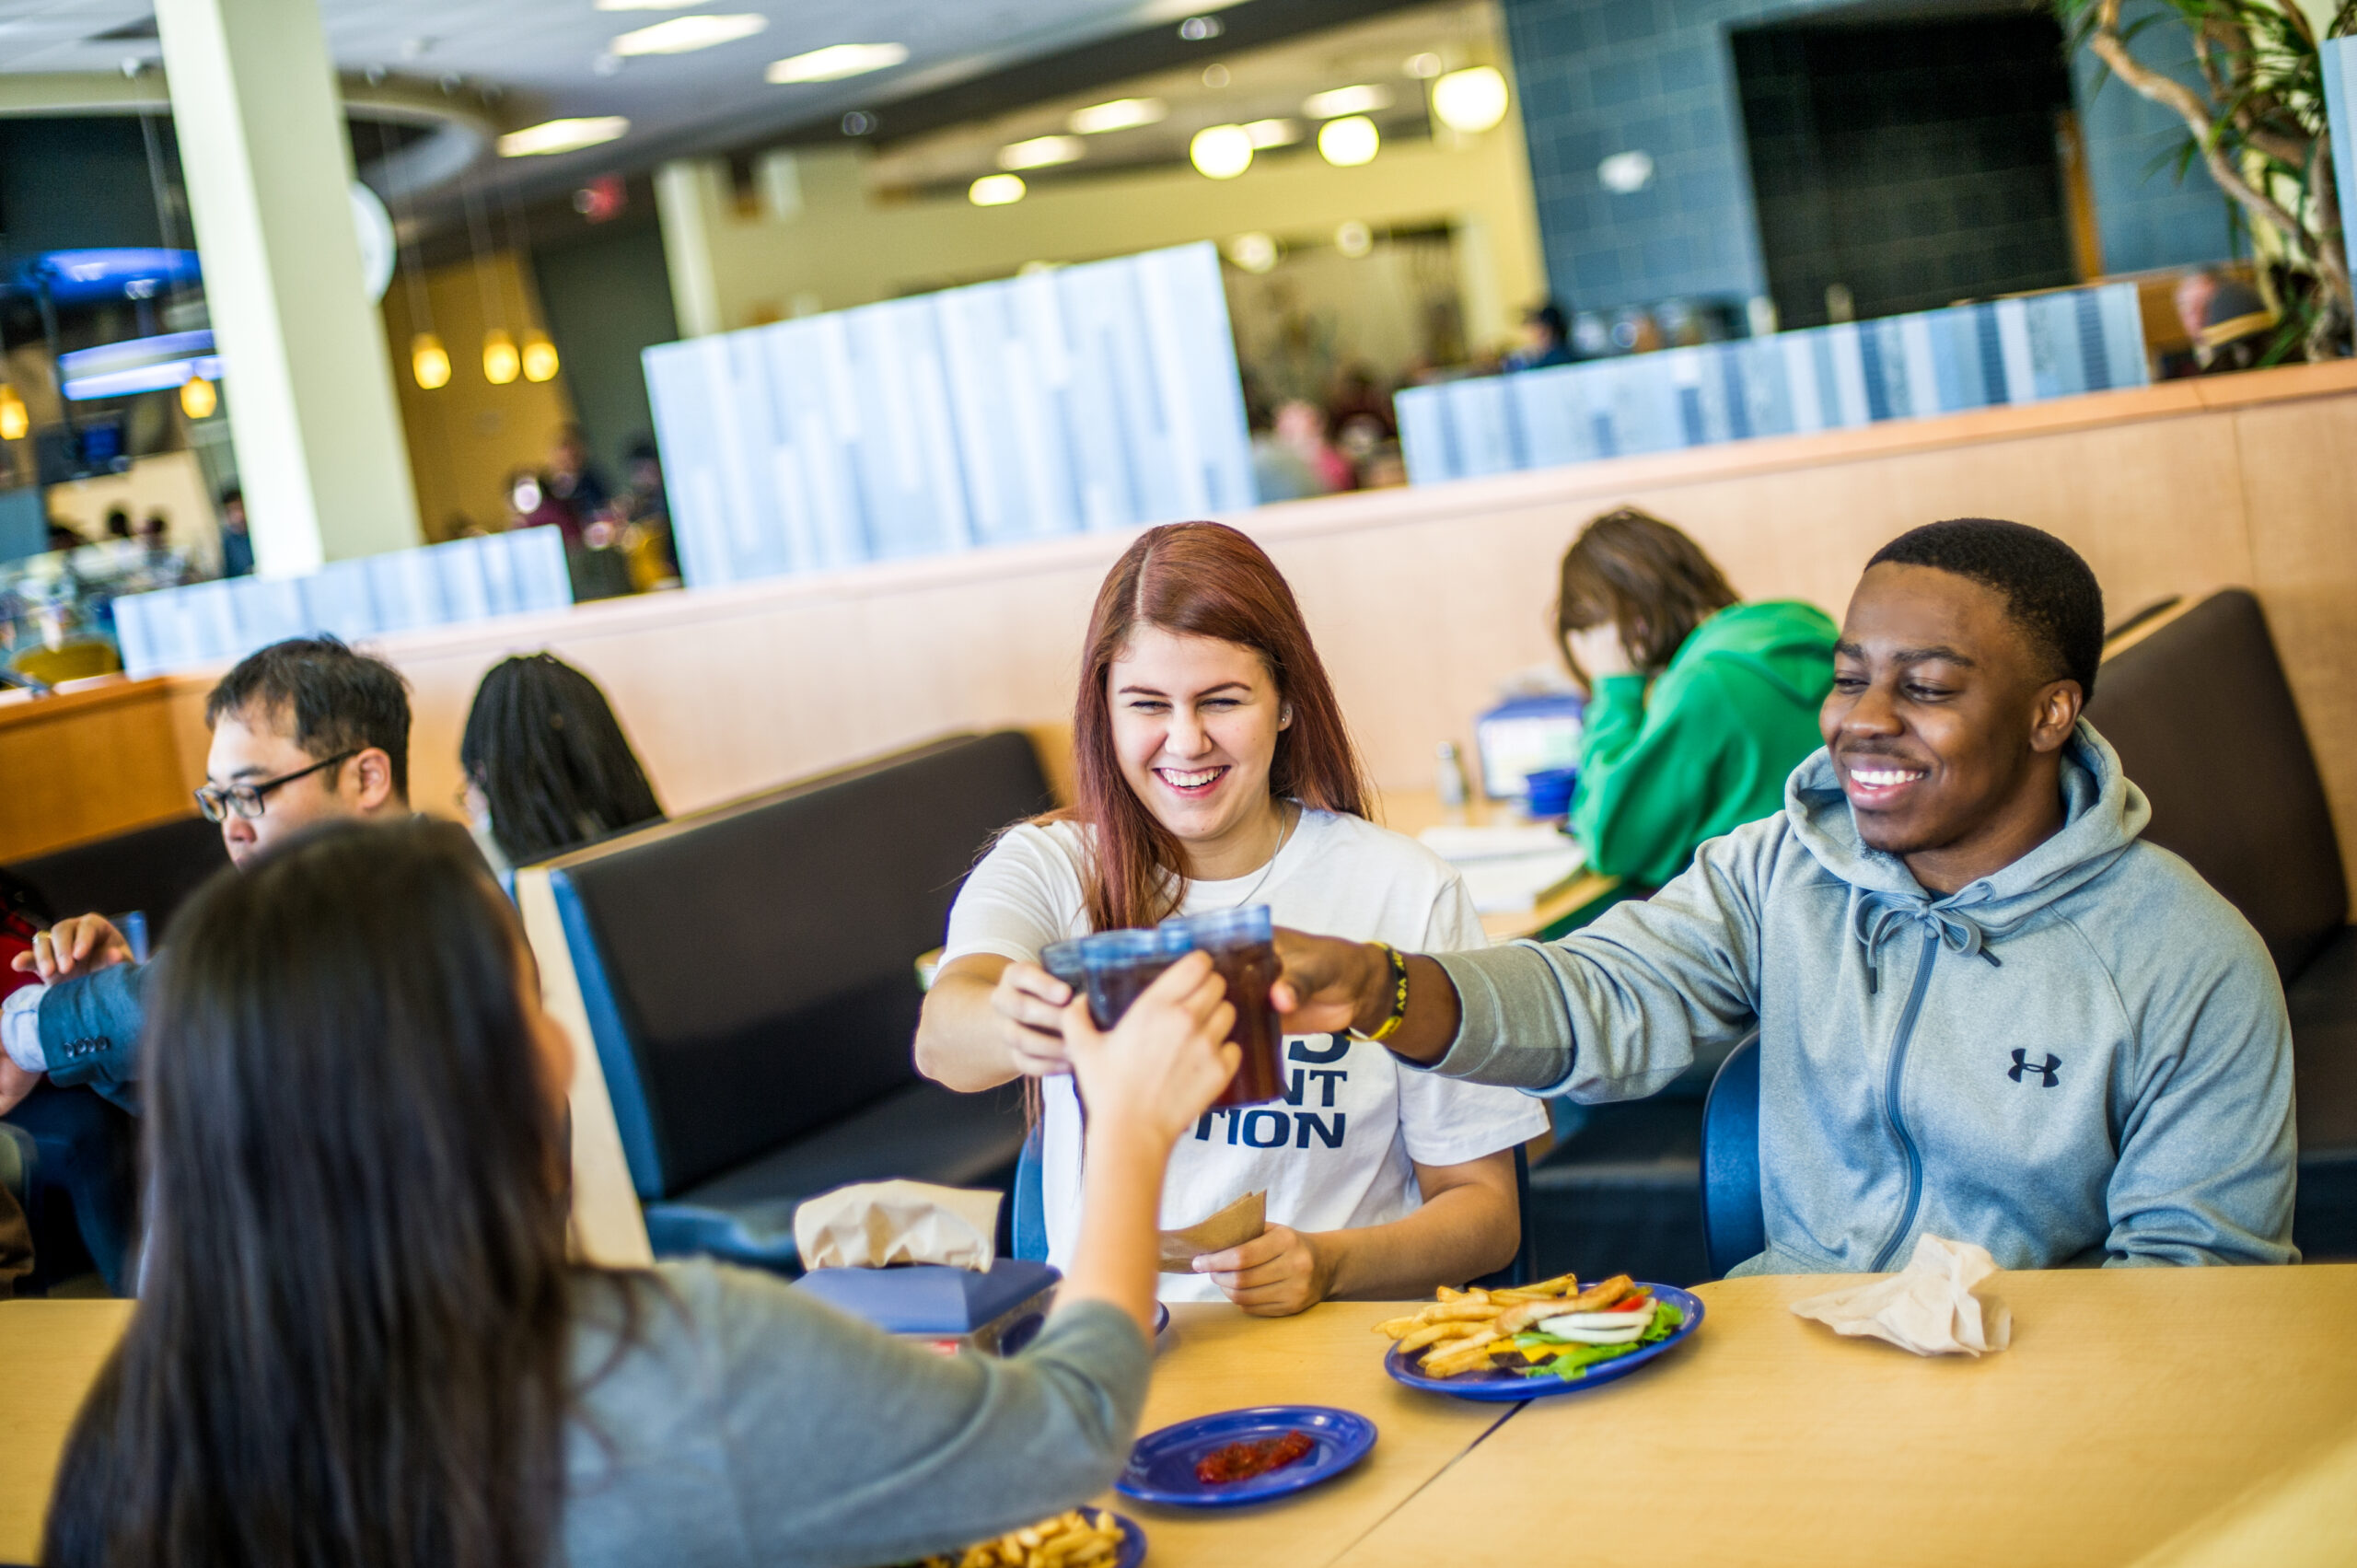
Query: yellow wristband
{"type": "Point", "coordinates": [1390, 1026]}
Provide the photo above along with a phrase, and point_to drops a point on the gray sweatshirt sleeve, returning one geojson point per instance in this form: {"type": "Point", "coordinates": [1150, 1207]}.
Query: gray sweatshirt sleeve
{"type": "Point", "coordinates": [1617, 1010]}
{"type": "Point", "coordinates": [2207, 1154]}
{"type": "Point", "coordinates": [844, 1445]}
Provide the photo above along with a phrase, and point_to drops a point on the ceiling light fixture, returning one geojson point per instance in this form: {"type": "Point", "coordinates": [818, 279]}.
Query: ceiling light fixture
{"type": "Point", "coordinates": [562, 136]}
{"type": "Point", "coordinates": [429, 362]}
{"type": "Point", "coordinates": [1350, 142]}
{"type": "Point", "coordinates": [1221, 152]}
{"type": "Point", "coordinates": [198, 399]}
{"type": "Point", "coordinates": [837, 60]}
{"type": "Point", "coordinates": [1424, 67]}
{"type": "Point", "coordinates": [1253, 252]}
{"type": "Point", "coordinates": [1042, 152]}
{"type": "Point", "coordinates": [501, 363]}
{"type": "Point", "coordinates": [1274, 133]}
{"type": "Point", "coordinates": [1198, 30]}
{"type": "Point", "coordinates": [644, 5]}
{"type": "Point", "coordinates": [1364, 98]}
{"type": "Point", "coordinates": [1122, 115]}
{"type": "Point", "coordinates": [1471, 99]}
{"type": "Point", "coordinates": [539, 357]}
{"type": "Point", "coordinates": [1215, 76]}
{"type": "Point", "coordinates": [685, 35]}
{"type": "Point", "coordinates": [996, 191]}
{"type": "Point", "coordinates": [13, 420]}
{"type": "Point", "coordinates": [1354, 238]}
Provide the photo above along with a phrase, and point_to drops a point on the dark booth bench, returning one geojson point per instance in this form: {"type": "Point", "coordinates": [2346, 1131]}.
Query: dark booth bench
{"type": "Point", "coordinates": [749, 982]}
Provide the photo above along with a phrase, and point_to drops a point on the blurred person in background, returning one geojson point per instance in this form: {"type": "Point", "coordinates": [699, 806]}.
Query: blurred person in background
{"type": "Point", "coordinates": [530, 505]}
{"type": "Point", "coordinates": [1699, 705]}
{"type": "Point", "coordinates": [118, 523]}
{"type": "Point", "coordinates": [547, 765]}
{"type": "Point", "coordinates": [573, 478]}
{"type": "Point", "coordinates": [237, 543]}
{"type": "Point", "coordinates": [2229, 324]}
{"type": "Point", "coordinates": [1278, 473]}
{"type": "Point", "coordinates": [1546, 339]}
{"type": "Point", "coordinates": [1301, 426]}
{"type": "Point", "coordinates": [645, 511]}
{"type": "Point", "coordinates": [412, 1369]}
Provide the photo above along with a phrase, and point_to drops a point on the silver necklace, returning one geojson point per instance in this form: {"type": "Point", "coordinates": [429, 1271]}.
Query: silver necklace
{"type": "Point", "coordinates": [1284, 834]}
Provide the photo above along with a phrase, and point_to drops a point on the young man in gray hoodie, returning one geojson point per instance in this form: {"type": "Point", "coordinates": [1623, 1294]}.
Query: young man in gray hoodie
{"type": "Point", "coordinates": [1986, 1008]}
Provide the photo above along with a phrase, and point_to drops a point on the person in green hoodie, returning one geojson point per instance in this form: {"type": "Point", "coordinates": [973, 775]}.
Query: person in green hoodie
{"type": "Point", "coordinates": [1699, 705]}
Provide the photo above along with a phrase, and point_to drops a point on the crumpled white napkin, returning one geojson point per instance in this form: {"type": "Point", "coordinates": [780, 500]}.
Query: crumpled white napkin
{"type": "Point", "coordinates": [1928, 1307]}
{"type": "Point", "coordinates": [871, 1224]}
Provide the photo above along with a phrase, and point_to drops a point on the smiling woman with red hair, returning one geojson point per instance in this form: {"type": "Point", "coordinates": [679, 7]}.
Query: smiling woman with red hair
{"type": "Point", "coordinates": [1214, 772]}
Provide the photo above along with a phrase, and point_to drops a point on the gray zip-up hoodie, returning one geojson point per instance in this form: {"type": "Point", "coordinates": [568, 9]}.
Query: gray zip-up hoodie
{"type": "Point", "coordinates": [2082, 1058]}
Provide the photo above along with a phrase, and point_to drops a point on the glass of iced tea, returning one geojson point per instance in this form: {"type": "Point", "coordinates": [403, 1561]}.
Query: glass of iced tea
{"type": "Point", "coordinates": [1120, 964]}
{"type": "Point", "coordinates": [1243, 946]}
{"type": "Point", "coordinates": [1064, 960]}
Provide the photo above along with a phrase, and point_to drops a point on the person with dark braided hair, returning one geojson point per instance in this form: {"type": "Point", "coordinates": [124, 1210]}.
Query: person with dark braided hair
{"type": "Point", "coordinates": [547, 767]}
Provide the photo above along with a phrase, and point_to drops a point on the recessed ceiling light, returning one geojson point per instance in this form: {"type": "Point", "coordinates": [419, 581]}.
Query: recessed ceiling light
{"type": "Point", "coordinates": [562, 136]}
{"type": "Point", "coordinates": [1364, 98]}
{"type": "Point", "coordinates": [1221, 152]}
{"type": "Point", "coordinates": [1349, 142]}
{"type": "Point", "coordinates": [1274, 133]}
{"type": "Point", "coordinates": [837, 60]}
{"type": "Point", "coordinates": [1424, 67]}
{"type": "Point", "coordinates": [1122, 115]}
{"type": "Point", "coordinates": [1253, 252]}
{"type": "Point", "coordinates": [1041, 152]}
{"type": "Point", "coordinates": [684, 35]}
{"type": "Point", "coordinates": [996, 191]}
{"type": "Point", "coordinates": [1472, 99]}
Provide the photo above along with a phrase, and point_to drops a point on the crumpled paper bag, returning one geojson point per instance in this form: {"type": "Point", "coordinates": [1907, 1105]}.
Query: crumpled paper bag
{"type": "Point", "coordinates": [871, 1224]}
{"type": "Point", "coordinates": [1928, 1307]}
{"type": "Point", "coordinates": [1240, 1222]}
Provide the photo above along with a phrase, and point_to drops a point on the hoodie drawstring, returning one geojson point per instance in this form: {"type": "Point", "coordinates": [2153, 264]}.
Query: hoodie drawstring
{"type": "Point", "coordinates": [1875, 916]}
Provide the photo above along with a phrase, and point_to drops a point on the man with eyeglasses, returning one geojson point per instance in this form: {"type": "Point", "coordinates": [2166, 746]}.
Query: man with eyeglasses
{"type": "Point", "coordinates": [304, 731]}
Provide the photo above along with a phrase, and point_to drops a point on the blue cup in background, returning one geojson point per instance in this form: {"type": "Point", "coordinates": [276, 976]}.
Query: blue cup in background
{"type": "Point", "coordinates": [1550, 792]}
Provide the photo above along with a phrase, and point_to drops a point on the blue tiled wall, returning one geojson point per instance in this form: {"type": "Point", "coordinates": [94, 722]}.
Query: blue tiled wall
{"type": "Point", "coordinates": [2147, 219]}
{"type": "Point", "coordinates": [1601, 77]}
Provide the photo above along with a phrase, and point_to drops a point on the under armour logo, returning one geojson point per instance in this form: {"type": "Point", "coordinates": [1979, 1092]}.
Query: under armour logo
{"type": "Point", "coordinates": [2046, 1071]}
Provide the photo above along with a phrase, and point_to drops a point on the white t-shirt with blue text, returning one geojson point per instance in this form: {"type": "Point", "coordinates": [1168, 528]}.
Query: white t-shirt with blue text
{"type": "Point", "coordinates": [1339, 1149]}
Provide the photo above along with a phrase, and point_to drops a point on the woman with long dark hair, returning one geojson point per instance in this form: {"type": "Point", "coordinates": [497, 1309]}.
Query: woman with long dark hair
{"type": "Point", "coordinates": [1699, 705]}
{"type": "Point", "coordinates": [547, 767]}
{"type": "Point", "coordinates": [360, 1342]}
{"type": "Point", "coordinates": [1214, 772]}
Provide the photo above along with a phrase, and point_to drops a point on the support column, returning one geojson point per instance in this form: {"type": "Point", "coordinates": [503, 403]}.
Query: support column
{"type": "Point", "coordinates": [686, 198]}
{"type": "Point", "coordinates": [320, 452]}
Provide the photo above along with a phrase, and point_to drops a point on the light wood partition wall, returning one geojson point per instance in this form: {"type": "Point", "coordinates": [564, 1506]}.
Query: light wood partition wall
{"type": "Point", "coordinates": [1423, 600]}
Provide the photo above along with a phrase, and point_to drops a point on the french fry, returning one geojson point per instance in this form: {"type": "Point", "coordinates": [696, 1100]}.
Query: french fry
{"type": "Point", "coordinates": [1395, 1328]}
{"type": "Point", "coordinates": [1461, 1312]}
{"type": "Point", "coordinates": [1464, 1355]}
{"type": "Point", "coordinates": [1448, 1292]}
{"type": "Point", "coordinates": [1561, 1284]}
{"type": "Point", "coordinates": [1597, 1298]}
{"type": "Point", "coordinates": [1434, 1333]}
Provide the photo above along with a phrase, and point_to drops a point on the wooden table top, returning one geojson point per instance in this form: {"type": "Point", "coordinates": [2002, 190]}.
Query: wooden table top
{"type": "Point", "coordinates": [1215, 1358]}
{"type": "Point", "coordinates": [53, 1351]}
{"type": "Point", "coordinates": [2167, 1418]}
{"type": "Point", "coordinates": [2133, 1406]}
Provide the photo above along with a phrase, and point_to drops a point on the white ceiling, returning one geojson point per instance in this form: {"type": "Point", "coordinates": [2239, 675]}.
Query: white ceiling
{"type": "Point", "coordinates": [543, 55]}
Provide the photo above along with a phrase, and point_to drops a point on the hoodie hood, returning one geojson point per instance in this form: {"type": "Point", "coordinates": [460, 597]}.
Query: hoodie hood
{"type": "Point", "coordinates": [2102, 815]}
{"type": "Point", "coordinates": [1785, 642]}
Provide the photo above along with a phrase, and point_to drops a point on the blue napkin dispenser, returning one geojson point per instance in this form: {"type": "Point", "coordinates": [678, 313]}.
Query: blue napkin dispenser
{"type": "Point", "coordinates": [954, 1309]}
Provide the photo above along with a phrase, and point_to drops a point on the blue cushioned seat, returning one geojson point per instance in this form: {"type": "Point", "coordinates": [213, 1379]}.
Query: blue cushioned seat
{"type": "Point", "coordinates": [1735, 1224]}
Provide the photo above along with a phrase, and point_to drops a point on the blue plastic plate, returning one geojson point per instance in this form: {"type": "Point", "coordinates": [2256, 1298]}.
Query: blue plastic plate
{"type": "Point", "coordinates": [1162, 1465]}
{"type": "Point", "coordinates": [1133, 1551]}
{"type": "Point", "coordinates": [1505, 1386]}
{"type": "Point", "coordinates": [1161, 1317]}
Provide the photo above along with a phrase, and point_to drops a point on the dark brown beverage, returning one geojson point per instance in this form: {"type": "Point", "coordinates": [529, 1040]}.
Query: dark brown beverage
{"type": "Point", "coordinates": [1242, 945]}
{"type": "Point", "coordinates": [1121, 965]}
{"type": "Point", "coordinates": [1249, 972]}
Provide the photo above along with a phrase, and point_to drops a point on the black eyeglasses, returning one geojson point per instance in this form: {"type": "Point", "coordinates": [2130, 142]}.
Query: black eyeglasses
{"type": "Point", "coordinates": [246, 800]}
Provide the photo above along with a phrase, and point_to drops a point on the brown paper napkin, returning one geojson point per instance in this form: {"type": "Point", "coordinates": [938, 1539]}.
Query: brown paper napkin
{"type": "Point", "coordinates": [875, 1222]}
{"type": "Point", "coordinates": [1928, 1307]}
{"type": "Point", "coordinates": [1232, 1226]}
